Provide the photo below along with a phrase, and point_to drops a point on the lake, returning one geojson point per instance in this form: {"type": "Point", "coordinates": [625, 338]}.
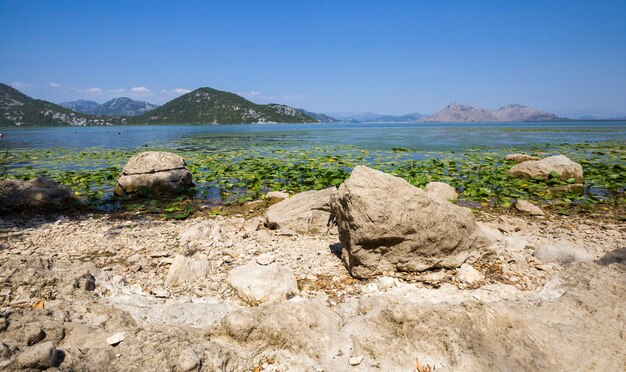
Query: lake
{"type": "Point", "coordinates": [375, 136]}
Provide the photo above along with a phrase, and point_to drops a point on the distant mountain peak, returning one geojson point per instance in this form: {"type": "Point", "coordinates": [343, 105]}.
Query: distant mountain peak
{"type": "Point", "coordinates": [457, 112]}
{"type": "Point", "coordinates": [121, 106]}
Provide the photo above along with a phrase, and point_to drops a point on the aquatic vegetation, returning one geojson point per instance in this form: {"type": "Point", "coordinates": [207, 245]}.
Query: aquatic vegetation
{"type": "Point", "coordinates": [236, 173]}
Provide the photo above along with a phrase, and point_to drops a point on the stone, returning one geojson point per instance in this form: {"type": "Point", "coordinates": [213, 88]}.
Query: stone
{"type": "Point", "coordinates": [4, 324]}
{"type": "Point", "coordinates": [40, 356]}
{"type": "Point", "coordinates": [563, 166]}
{"type": "Point", "coordinates": [468, 274]}
{"type": "Point", "coordinates": [116, 338]}
{"type": "Point", "coordinates": [306, 212]}
{"type": "Point", "coordinates": [38, 194]}
{"type": "Point", "coordinates": [386, 282]}
{"type": "Point", "coordinates": [562, 251]}
{"type": "Point", "coordinates": [520, 158]}
{"type": "Point", "coordinates": [188, 360]}
{"type": "Point", "coordinates": [355, 360]}
{"type": "Point", "coordinates": [386, 224]}
{"type": "Point", "coordinates": [157, 172]}
{"type": "Point", "coordinates": [5, 352]}
{"type": "Point", "coordinates": [265, 259]}
{"type": "Point", "coordinates": [276, 196]}
{"type": "Point", "coordinates": [34, 334]}
{"type": "Point", "coordinates": [528, 207]}
{"type": "Point", "coordinates": [256, 284]}
{"type": "Point", "coordinates": [187, 270]}
{"type": "Point", "coordinates": [441, 190]}
{"type": "Point", "coordinates": [161, 293]}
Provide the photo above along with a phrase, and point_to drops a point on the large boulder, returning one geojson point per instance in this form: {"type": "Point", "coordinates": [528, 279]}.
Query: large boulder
{"type": "Point", "coordinates": [385, 225]}
{"type": "Point", "coordinates": [441, 190]}
{"type": "Point", "coordinates": [37, 194]}
{"type": "Point", "coordinates": [156, 172]}
{"type": "Point", "coordinates": [561, 164]}
{"type": "Point", "coordinates": [307, 212]}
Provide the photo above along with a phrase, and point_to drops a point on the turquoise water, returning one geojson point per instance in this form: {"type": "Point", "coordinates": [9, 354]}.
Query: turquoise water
{"type": "Point", "coordinates": [373, 136]}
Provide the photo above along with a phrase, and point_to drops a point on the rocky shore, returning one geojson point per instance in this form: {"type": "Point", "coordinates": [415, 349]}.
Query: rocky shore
{"type": "Point", "coordinates": [401, 279]}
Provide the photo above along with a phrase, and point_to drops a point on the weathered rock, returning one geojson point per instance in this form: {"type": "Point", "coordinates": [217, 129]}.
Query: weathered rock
{"type": "Point", "coordinates": [468, 275]}
{"type": "Point", "coordinates": [276, 196]}
{"type": "Point", "coordinates": [157, 172]}
{"type": "Point", "coordinates": [186, 270]}
{"type": "Point", "coordinates": [41, 356]}
{"type": "Point", "coordinates": [34, 334]}
{"type": "Point", "coordinates": [520, 158]}
{"type": "Point", "coordinates": [441, 190]}
{"type": "Point", "coordinates": [386, 224]}
{"type": "Point", "coordinates": [562, 251]}
{"type": "Point", "coordinates": [307, 212]}
{"type": "Point", "coordinates": [355, 360]}
{"type": "Point", "coordinates": [564, 167]}
{"type": "Point", "coordinates": [116, 338]}
{"type": "Point", "coordinates": [528, 207]}
{"type": "Point", "coordinates": [256, 284]}
{"type": "Point", "coordinates": [38, 194]}
{"type": "Point", "coordinates": [188, 360]}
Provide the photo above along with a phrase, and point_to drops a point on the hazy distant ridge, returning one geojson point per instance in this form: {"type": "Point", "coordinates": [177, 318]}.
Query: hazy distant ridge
{"type": "Point", "coordinates": [461, 113]}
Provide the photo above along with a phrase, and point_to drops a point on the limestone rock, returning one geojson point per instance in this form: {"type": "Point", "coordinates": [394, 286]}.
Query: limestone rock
{"type": "Point", "coordinates": [157, 171]}
{"type": "Point", "coordinates": [187, 270]}
{"type": "Point", "coordinates": [520, 158]}
{"type": "Point", "coordinates": [441, 190]}
{"type": "Point", "coordinates": [386, 224]}
{"type": "Point", "coordinates": [188, 360]}
{"type": "Point", "coordinates": [528, 207]}
{"type": "Point", "coordinates": [116, 338]}
{"type": "Point", "coordinates": [562, 251]}
{"type": "Point", "coordinates": [560, 164]}
{"type": "Point", "coordinates": [276, 196]}
{"type": "Point", "coordinates": [468, 275]}
{"type": "Point", "coordinates": [40, 356]}
{"type": "Point", "coordinates": [307, 212]}
{"type": "Point", "coordinates": [37, 194]}
{"type": "Point", "coordinates": [256, 284]}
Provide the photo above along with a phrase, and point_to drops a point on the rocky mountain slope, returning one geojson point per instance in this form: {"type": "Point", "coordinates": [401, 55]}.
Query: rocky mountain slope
{"type": "Point", "coordinates": [321, 118]}
{"type": "Point", "coordinates": [211, 106]}
{"type": "Point", "coordinates": [18, 109]}
{"type": "Point", "coordinates": [461, 113]}
{"type": "Point", "coordinates": [122, 106]}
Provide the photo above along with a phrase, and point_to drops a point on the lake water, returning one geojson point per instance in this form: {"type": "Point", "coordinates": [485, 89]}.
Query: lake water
{"type": "Point", "coordinates": [375, 136]}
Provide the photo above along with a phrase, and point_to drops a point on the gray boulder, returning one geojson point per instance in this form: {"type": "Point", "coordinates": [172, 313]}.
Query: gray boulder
{"type": "Point", "coordinates": [40, 356]}
{"type": "Point", "coordinates": [386, 224]}
{"type": "Point", "coordinates": [560, 164]}
{"type": "Point", "coordinates": [307, 212]}
{"type": "Point", "coordinates": [37, 194]}
{"type": "Point", "coordinates": [157, 171]}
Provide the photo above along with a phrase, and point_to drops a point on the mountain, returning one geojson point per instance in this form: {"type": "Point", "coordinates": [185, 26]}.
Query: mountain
{"type": "Point", "coordinates": [371, 117]}
{"type": "Point", "coordinates": [460, 113]}
{"type": "Point", "coordinates": [320, 118]}
{"type": "Point", "coordinates": [83, 106]}
{"type": "Point", "coordinates": [122, 106]}
{"type": "Point", "coordinates": [211, 106]}
{"type": "Point", "coordinates": [18, 109]}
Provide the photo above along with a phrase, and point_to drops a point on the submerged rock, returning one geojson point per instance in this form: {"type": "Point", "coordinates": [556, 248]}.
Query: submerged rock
{"type": "Point", "coordinates": [561, 164]}
{"type": "Point", "coordinates": [307, 212]}
{"type": "Point", "coordinates": [520, 158]}
{"type": "Point", "coordinates": [37, 194]}
{"type": "Point", "coordinates": [386, 224]}
{"type": "Point", "coordinates": [154, 172]}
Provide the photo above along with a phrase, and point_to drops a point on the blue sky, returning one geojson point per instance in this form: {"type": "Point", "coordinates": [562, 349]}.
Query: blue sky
{"type": "Point", "coordinates": [394, 57]}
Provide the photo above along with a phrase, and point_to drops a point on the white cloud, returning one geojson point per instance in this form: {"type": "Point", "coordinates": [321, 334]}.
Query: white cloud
{"type": "Point", "coordinates": [55, 85]}
{"type": "Point", "coordinates": [93, 90]}
{"type": "Point", "coordinates": [176, 91]}
{"type": "Point", "coordinates": [140, 91]}
{"type": "Point", "coordinates": [21, 85]}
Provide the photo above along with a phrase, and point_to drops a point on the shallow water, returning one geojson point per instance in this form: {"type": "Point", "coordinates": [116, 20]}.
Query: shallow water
{"type": "Point", "coordinates": [373, 136]}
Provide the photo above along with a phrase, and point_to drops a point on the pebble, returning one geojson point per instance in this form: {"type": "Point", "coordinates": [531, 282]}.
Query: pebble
{"type": "Point", "coordinates": [356, 360]}
{"type": "Point", "coordinates": [161, 293]}
{"type": "Point", "coordinates": [265, 259]}
{"type": "Point", "coordinates": [188, 360]}
{"type": "Point", "coordinates": [116, 338]}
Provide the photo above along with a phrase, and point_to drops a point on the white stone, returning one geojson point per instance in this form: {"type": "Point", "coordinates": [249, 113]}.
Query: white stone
{"type": "Point", "coordinates": [256, 284]}
{"type": "Point", "coordinates": [468, 274]}
{"type": "Point", "coordinates": [188, 360]}
{"type": "Point", "coordinates": [265, 259]}
{"type": "Point", "coordinates": [355, 360]}
{"type": "Point", "coordinates": [116, 338]}
{"type": "Point", "coordinates": [528, 207]}
{"type": "Point", "coordinates": [386, 282]}
{"type": "Point", "coordinates": [186, 270]}
{"type": "Point", "coordinates": [562, 251]}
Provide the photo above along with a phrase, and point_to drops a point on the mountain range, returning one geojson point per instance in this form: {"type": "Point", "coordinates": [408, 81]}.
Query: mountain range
{"type": "Point", "coordinates": [122, 106]}
{"type": "Point", "coordinates": [460, 113]}
{"type": "Point", "coordinates": [371, 117]}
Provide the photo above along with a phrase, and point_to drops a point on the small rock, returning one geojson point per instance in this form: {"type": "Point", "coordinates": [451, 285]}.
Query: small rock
{"type": "Point", "coordinates": [276, 196]}
{"type": "Point", "coordinates": [528, 207]}
{"type": "Point", "coordinates": [4, 324]}
{"type": "Point", "coordinates": [265, 259]}
{"type": "Point", "coordinates": [562, 251]}
{"type": "Point", "coordinates": [34, 334]}
{"type": "Point", "coordinates": [468, 275]}
{"type": "Point", "coordinates": [370, 288]}
{"type": "Point", "coordinates": [356, 360]}
{"type": "Point", "coordinates": [115, 339]}
{"type": "Point", "coordinates": [385, 282]}
{"type": "Point", "coordinates": [188, 360]}
{"type": "Point", "coordinates": [161, 293]}
{"type": "Point", "coordinates": [434, 277]}
{"type": "Point", "coordinates": [186, 270]}
{"type": "Point", "coordinates": [256, 284]}
{"type": "Point", "coordinates": [520, 158]}
{"type": "Point", "coordinates": [40, 356]}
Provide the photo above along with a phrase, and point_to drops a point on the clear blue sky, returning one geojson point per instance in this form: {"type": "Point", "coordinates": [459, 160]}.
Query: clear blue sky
{"type": "Point", "coordinates": [395, 57]}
